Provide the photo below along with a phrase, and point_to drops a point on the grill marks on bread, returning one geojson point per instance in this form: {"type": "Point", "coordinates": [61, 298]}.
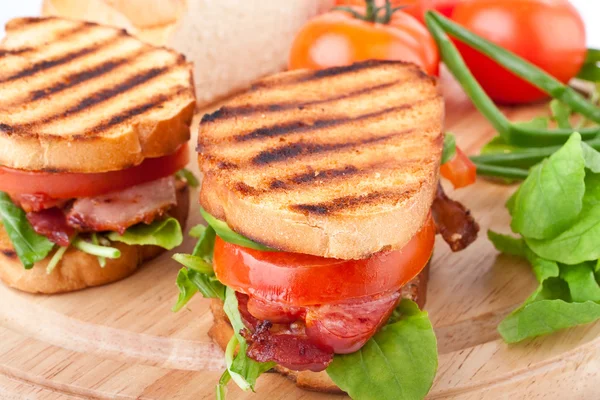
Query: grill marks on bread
{"type": "Point", "coordinates": [88, 80]}
{"type": "Point", "coordinates": [344, 140]}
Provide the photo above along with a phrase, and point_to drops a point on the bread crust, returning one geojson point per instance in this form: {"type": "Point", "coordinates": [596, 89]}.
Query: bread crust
{"type": "Point", "coordinates": [78, 270]}
{"type": "Point", "coordinates": [221, 333]}
{"type": "Point", "coordinates": [133, 103]}
{"type": "Point", "coordinates": [342, 177]}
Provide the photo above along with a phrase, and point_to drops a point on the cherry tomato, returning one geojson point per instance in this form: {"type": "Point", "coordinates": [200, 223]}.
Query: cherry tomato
{"type": "Point", "coordinates": [460, 170]}
{"type": "Point", "coordinates": [301, 280]}
{"type": "Point", "coordinates": [416, 8]}
{"type": "Point", "coordinates": [338, 38]}
{"type": "Point", "coordinates": [73, 185]}
{"type": "Point", "coordinates": [548, 33]}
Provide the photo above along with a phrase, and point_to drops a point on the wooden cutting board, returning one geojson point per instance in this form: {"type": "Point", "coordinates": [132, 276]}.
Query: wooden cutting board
{"type": "Point", "coordinates": [122, 341]}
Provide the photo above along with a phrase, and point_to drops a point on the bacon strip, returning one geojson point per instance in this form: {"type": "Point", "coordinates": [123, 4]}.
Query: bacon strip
{"type": "Point", "coordinates": [292, 351]}
{"type": "Point", "coordinates": [453, 221]}
{"type": "Point", "coordinates": [52, 224]}
{"type": "Point", "coordinates": [287, 345]}
{"type": "Point", "coordinates": [319, 331]}
{"type": "Point", "coordinates": [37, 202]}
{"type": "Point", "coordinates": [119, 210]}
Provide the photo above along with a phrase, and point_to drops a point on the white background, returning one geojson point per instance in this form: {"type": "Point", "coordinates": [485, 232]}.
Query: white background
{"type": "Point", "coordinates": [590, 10]}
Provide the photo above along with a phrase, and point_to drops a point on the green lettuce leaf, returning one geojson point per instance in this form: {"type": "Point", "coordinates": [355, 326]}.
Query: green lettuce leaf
{"type": "Point", "coordinates": [228, 235]}
{"type": "Point", "coordinates": [29, 246]}
{"type": "Point", "coordinates": [591, 157]}
{"type": "Point", "coordinates": [546, 316]}
{"type": "Point", "coordinates": [577, 244]}
{"type": "Point", "coordinates": [187, 289]}
{"type": "Point", "coordinates": [189, 177]}
{"type": "Point", "coordinates": [196, 263]}
{"type": "Point", "coordinates": [398, 363]}
{"type": "Point", "coordinates": [507, 244]}
{"type": "Point", "coordinates": [206, 242]}
{"type": "Point", "coordinates": [190, 282]}
{"type": "Point", "coordinates": [243, 370]}
{"type": "Point", "coordinates": [581, 281]}
{"type": "Point", "coordinates": [449, 148]}
{"type": "Point", "coordinates": [165, 233]}
{"type": "Point", "coordinates": [551, 197]}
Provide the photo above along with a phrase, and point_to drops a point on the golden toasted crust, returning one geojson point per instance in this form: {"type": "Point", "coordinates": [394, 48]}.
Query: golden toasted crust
{"type": "Point", "coordinates": [78, 270]}
{"type": "Point", "coordinates": [221, 333]}
{"type": "Point", "coordinates": [342, 162]}
{"type": "Point", "coordinates": [80, 97]}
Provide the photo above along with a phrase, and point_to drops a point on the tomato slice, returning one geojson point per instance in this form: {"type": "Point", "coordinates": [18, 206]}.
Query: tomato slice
{"type": "Point", "coordinates": [72, 185]}
{"type": "Point", "coordinates": [460, 170]}
{"type": "Point", "coordinates": [301, 280]}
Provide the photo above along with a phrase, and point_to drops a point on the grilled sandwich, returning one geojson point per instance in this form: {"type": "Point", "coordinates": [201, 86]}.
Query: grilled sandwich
{"type": "Point", "coordinates": [94, 126]}
{"type": "Point", "coordinates": [322, 199]}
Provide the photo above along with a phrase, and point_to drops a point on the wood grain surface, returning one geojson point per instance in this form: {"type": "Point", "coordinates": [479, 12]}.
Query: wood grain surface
{"type": "Point", "coordinates": [121, 341]}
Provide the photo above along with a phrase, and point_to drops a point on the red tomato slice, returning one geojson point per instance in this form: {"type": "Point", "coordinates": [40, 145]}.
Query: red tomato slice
{"type": "Point", "coordinates": [301, 280]}
{"type": "Point", "coordinates": [72, 185]}
{"type": "Point", "coordinates": [460, 170]}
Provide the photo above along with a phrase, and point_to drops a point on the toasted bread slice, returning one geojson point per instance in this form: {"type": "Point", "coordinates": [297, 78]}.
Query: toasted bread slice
{"type": "Point", "coordinates": [221, 333]}
{"type": "Point", "coordinates": [338, 163]}
{"type": "Point", "coordinates": [80, 97]}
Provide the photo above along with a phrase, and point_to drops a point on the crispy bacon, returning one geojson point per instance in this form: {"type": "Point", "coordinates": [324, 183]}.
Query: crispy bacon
{"type": "Point", "coordinates": [37, 202]}
{"type": "Point", "coordinates": [453, 221]}
{"type": "Point", "coordinates": [119, 210]}
{"type": "Point", "coordinates": [285, 344]}
{"type": "Point", "coordinates": [293, 351]}
{"type": "Point", "coordinates": [320, 331]}
{"type": "Point", "coordinates": [52, 224]}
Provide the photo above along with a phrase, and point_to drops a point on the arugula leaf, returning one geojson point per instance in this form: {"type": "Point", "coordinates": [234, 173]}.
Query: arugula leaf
{"type": "Point", "coordinates": [575, 245]}
{"type": "Point", "coordinates": [399, 362]}
{"type": "Point", "coordinates": [561, 113]}
{"type": "Point", "coordinates": [546, 316]}
{"type": "Point", "coordinates": [449, 148]}
{"type": "Point", "coordinates": [228, 235]}
{"type": "Point", "coordinates": [29, 246]}
{"type": "Point", "coordinates": [507, 244]}
{"type": "Point", "coordinates": [243, 370]}
{"type": "Point", "coordinates": [189, 177]}
{"type": "Point", "coordinates": [551, 197]}
{"type": "Point", "coordinates": [165, 233]}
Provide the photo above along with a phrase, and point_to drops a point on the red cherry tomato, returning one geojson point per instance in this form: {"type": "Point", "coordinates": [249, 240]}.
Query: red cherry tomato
{"type": "Point", "coordinates": [460, 170]}
{"type": "Point", "coordinates": [337, 38]}
{"type": "Point", "coordinates": [301, 280]}
{"type": "Point", "coordinates": [416, 8]}
{"type": "Point", "coordinates": [548, 33]}
{"type": "Point", "coordinates": [72, 185]}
